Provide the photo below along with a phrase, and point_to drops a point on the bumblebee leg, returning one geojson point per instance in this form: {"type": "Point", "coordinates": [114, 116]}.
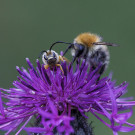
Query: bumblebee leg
{"type": "Point", "coordinates": [100, 71]}
{"type": "Point", "coordinates": [74, 58]}
{"type": "Point", "coordinates": [60, 67]}
{"type": "Point", "coordinates": [46, 66]}
{"type": "Point", "coordinates": [69, 47]}
{"type": "Point", "coordinates": [77, 54]}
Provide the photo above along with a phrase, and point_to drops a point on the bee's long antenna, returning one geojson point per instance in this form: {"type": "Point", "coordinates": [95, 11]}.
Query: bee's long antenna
{"type": "Point", "coordinates": [104, 43]}
{"type": "Point", "coordinates": [59, 42]}
{"type": "Point", "coordinates": [41, 53]}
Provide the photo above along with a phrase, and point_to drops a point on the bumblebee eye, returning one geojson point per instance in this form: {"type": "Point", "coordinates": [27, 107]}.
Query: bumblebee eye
{"type": "Point", "coordinates": [45, 57]}
{"type": "Point", "coordinates": [76, 46]}
{"type": "Point", "coordinates": [54, 55]}
{"type": "Point", "coordinates": [79, 47]}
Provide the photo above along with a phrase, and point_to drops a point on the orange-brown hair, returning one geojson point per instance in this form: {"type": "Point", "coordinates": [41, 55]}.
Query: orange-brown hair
{"type": "Point", "coordinates": [87, 39]}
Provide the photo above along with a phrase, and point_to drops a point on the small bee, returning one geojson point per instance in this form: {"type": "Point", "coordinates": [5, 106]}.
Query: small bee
{"type": "Point", "coordinates": [90, 47]}
{"type": "Point", "coordinates": [51, 59]}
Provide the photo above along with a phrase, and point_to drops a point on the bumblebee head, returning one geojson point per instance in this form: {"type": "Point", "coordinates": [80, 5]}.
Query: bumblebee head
{"type": "Point", "coordinates": [50, 57]}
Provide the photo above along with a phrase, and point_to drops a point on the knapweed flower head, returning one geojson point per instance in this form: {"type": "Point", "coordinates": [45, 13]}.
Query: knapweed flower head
{"type": "Point", "coordinates": [51, 95]}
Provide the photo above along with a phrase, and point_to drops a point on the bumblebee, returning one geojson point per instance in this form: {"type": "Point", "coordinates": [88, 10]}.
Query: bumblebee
{"type": "Point", "coordinates": [51, 59]}
{"type": "Point", "coordinates": [90, 47]}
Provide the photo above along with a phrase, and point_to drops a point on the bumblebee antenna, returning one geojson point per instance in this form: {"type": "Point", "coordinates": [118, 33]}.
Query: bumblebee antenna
{"type": "Point", "coordinates": [104, 43]}
{"type": "Point", "coordinates": [41, 53]}
{"type": "Point", "coordinates": [59, 42]}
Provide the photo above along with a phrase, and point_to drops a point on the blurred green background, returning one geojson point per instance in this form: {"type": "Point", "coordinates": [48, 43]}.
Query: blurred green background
{"type": "Point", "coordinates": [30, 26]}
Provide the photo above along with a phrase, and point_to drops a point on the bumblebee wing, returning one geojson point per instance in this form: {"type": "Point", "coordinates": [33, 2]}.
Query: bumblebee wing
{"type": "Point", "coordinates": [105, 43]}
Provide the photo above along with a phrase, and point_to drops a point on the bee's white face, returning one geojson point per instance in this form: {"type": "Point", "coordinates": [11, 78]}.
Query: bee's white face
{"type": "Point", "coordinates": [50, 58]}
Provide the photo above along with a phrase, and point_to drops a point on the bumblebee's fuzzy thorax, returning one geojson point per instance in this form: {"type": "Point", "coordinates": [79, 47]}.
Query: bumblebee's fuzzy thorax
{"type": "Point", "coordinates": [87, 39]}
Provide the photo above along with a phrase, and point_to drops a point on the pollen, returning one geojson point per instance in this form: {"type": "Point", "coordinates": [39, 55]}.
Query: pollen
{"type": "Point", "coordinates": [87, 39]}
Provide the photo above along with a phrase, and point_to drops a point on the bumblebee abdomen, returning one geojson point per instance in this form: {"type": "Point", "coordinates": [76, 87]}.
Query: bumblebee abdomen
{"type": "Point", "coordinates": [100, 56]}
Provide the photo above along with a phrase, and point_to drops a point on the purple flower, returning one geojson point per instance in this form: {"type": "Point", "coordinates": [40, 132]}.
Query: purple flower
{"type": "Point", "coordinates": [52, 95]}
